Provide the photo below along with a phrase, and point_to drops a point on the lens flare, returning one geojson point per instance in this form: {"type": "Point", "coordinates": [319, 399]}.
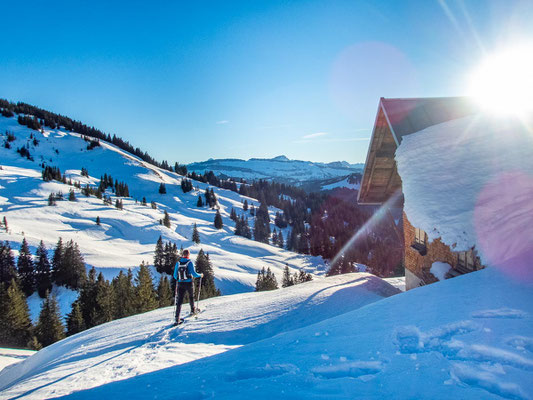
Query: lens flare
{"type": "Point", "coordinates": [372, 221]}
{"type": "Point", "coordinates": [503, 83]}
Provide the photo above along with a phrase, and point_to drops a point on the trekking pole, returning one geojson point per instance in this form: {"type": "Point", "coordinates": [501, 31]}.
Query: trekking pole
{"type": "Point", "coordinates": [175, 298]}
{"type": "Point", "coordinates": [199, 290]}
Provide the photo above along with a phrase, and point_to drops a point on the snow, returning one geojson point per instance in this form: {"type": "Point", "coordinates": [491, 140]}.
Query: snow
{"type": "Point", "coordinates": [475, 177]}
{"type": "Point", "coordinates": [397, 281]}
{"type": "Point", "coordinates": [146, 343]}
{"type": "Point", "coordinates": [13, 356]}
{"type": "Point", "coordinates": [440, 269]}
{"type": "Point", "coordinates": [278, 168]}
{"type": "Point", "coordinates": [342, 184]}
{"type": "Point", "coordinates": [313, 340]}
{"type": "Point", "coordinates": [64, 296]}
{"type": "Point", "coordinates": [125, 238]}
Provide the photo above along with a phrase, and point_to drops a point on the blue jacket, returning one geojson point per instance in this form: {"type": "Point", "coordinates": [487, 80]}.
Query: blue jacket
{"type": "Point", "coordinates": [190, 269]}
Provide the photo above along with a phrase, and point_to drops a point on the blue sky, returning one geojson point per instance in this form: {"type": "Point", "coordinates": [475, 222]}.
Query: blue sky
{"type": "Point", "coordinates": [188, 81]}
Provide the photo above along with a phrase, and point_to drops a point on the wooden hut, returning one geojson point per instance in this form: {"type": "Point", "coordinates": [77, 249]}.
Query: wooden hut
{"type": "Point", "coordinates": [395, 119]}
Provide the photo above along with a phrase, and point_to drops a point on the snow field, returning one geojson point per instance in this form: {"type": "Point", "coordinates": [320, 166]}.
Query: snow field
{"type": "Point", "coordinates": [146, 343]}
{"type": "Point", "coordinates": [125, 237]}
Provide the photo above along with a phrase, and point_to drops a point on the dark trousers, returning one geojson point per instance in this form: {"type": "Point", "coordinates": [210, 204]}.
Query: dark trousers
{"type": "Point", "coordinates": [184, 287]}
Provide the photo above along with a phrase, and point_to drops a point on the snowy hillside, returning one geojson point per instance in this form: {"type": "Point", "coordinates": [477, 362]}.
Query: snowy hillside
{"type": "Point", "coordinates": [125, 237]}
{"type": "Point", "coordinates": [279, 168]}
{"type": "Point", "coordinates": [144, 344]}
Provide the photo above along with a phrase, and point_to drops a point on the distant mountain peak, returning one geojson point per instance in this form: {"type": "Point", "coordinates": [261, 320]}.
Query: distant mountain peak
{"type": "Point", "coordinates": [281, 158]}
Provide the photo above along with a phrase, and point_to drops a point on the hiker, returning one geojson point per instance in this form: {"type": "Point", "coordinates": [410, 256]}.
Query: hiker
{"type": "Point", "coordinates": [184, 273]}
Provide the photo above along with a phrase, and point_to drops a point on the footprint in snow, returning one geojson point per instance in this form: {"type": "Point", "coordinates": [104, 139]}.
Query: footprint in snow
{"type": "Point", "coordinates": [355, 369]}
{"type": "Point", "coordinates": [509, 313]}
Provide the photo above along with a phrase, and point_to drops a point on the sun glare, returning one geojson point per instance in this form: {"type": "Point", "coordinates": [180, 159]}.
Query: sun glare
{"type": "Point", "coordinates": [503, 83]}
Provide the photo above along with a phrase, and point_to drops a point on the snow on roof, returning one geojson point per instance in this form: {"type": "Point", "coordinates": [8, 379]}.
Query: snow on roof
{"type": "Point", "coordinates": [469, 181]}
{"type": "Point", "coordinates": [406, 116]}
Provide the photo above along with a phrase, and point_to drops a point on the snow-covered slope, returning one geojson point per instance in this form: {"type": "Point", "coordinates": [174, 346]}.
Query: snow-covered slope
{"type": "Point", "coordinates": [146, 343]}
{"type": "Point", "coordinates": [13, 356]}
{"type": "Point", "coordinates": [279, 168]}
{"type": "Point", "coordinates": [125, 237]}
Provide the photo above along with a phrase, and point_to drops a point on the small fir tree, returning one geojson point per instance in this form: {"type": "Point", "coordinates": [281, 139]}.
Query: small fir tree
{"type": "Point", "coordinates": [26, 269]}
{"type": "Point", "coordinates": [71, 195]}
{"type": "Point", "coordinates": [200, 202]}
{"type": "Point", "coordinates": [43, 271]}
{"type": "Point", "coordinates": [124, 295]}
{"type": "Point", "coordinates": [195, 234]}
{"type": "Point", "coordinates": [218, 220]}
{"type": "Point", "coordinates": [98, 220]}
{"type": "Point", "coordinates": [7, 264]}
{"type": "Point", "coordinates": [162, 188]}
{"type": "Point", "coordinates": [287, 279]}
{"type": "Point", "coordinates": [75, 323]}
{"type": "Point", "coordinates": [15, 323]}
{"type": "Point", "coordinates": [49, 328]}
{"type": "Point", "coordinates": [166, 220]}
{"type": "Point", "coordinates": [145, 299]}
{"type": "Point", "coordinates": [164, 293]}
{"type": "Point", "coordinates": [203, 266]}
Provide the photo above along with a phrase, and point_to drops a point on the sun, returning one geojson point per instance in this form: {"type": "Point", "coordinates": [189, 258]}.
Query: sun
{"type": "Point", "coordinates": [503, 82]}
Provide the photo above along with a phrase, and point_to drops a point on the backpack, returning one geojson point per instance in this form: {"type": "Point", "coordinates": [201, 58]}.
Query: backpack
{"type": "Point", "coordinates": [183, 270]}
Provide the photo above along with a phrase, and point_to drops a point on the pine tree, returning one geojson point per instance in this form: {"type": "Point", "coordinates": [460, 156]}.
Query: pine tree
{"type": "Point", "coordinates": [287, 279]}
{"type": "Point", "coordinates": [266, 280]}
{"type": "Point", "coordinates": [26, 269]}
{"type": "Point", "coordinates": [164, 293]}
{"type": "Point", "coordinates": [195, 234]}
{"type": "Point", "coordinates": [124, 295]}
{"type": "Point", "coordinates": [166, 220]}
{"type": "Point", "coordinates": [143, 202]}
{"type": "Point", "coordinates": [304, 277]}
{"type": "Point", "coordinates": [200, 202]}
{"type": "Point", "coordinates": [275, 238]}
{"type": "Point", "coordinates": [52, 199]}
{"type": "Point", "coordinates": [280, 243]}
{"type": "Point", "coordinates": [218, 220]}
{"type": "Point", "coordinates": [87, 299]}
{"type": "Point", "coordinates": [57, 264]}
{"type": "Point", "coordinates": [104, 307]}
{"type": "Point", "coordinates": [245, 204]}
{"type": "Point", "coordinates": [162, 188]}
{"type": "Point", "coordinates": [7, 263]}
{"type": "Point", "coordinates": [15, 323]}
{"type": "Point", "coordinates": [43, 271]}
{"type": "Point", "coordinates": [71, 195]}
{"type": "Point", "coordinates": [73, 267]}
{"type": "Point", "coordinates": [145, 299]}
{"type": "Point", "coordinates": [49, 328]}
{"type": "Point", "coordinates": [233, 215]}
{"type": "Point", "coordinates": [203, 266]}
{"type": "Point", "coordinates": [98, 220]}
{"type": "Point", "coordinates": [159, 256]}
{"type": "Point", "coordinates": [75, 323]}
{"type": "Point", "coordinates": [5, 224]}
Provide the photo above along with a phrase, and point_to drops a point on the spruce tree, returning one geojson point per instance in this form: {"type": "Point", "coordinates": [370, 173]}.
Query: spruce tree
{"type": "Point", "coordinates": [15, 323]}
{"type": "Point", "coordinates": [26, 269]}
{"type": "Point", "coordinates": [73, 266]}
{"type": "Point", "coordinates": [245, 204]}
{"type": "Point", "coordinates": [280, 242]}
{"type": "Point", "coordinates": [166, 219]}
{"type": "Point", "coordinates": [195, 234]}
{"type": "Point", "coordinates": [43, 271]}
{"type": "Point", "coordinates": [287, 279]}
{"type": "Point", "coordinates": [87, 299]}
{"type": "Point", "coordinates": [304, 277]}
{"type": "Point", "coordinates": [159, 256]}
{"type": "Point", "coordinates": [124, 295]}
{"type": "Point", "coordinates": [233, 215]}
{"type": "Point", "coordinates": [218, 220]}
{"type": "Point", "coordinates": [5, 223]}
{"type": "Point", "coordinates": [75, 323]}
{"type": "Point", "coordinates": [162, 188]}
{"type": "Point", "coordinates": [57, 264]}
{"type": "Point", "coordinates": [270, 280]}
{"type": "Point", "coordinates": [98, 220]}
{"type": "Point", "coordinates": [49, 328]}
{"type": "Point", "coordinates": [104, 306]}
{"type": "Point", "coordinates": [203, 266]}
{"type": "Point", "coordinates": [7, 264]}
{"type": "Point", "coordinates": [200, 202]}
{"type": "Point", "coordinates": [145, 299]}
{"type": "Point", "coordinates": [71, 195]}
{"type": "Point", "coordinates": [164, 293]}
